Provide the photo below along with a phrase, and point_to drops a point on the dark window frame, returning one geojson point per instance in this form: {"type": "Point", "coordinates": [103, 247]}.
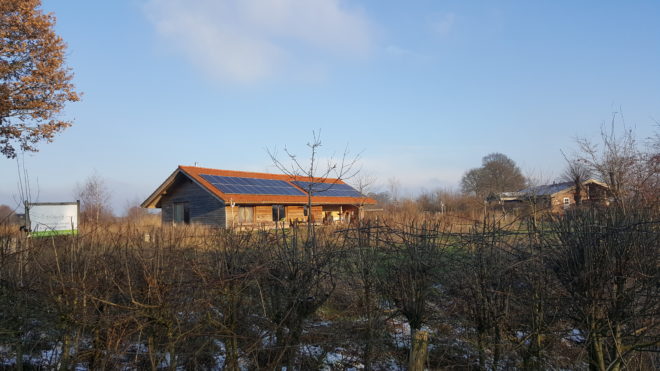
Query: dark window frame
{"type": "Point", "coordinates": [184, 216]}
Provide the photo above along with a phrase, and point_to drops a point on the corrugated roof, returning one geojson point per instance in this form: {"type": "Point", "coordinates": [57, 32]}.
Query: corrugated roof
{"type": "Point", "coordinates": [546, 190]}
{"type": "Point", "coordinates": [195, 173]}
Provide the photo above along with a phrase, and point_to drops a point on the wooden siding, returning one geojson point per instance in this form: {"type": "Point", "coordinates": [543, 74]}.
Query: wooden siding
{"type": "Point", "coordinates": [597, 193]}
{"type": "Point", "coordinates": [296, 212]}
{"type": "Point", "coordinates": [203, 207]}
{"type": "Point", "coordinates": [317, 214]}
{"type": "Point", "coordinates": [591, 193]}
{"type": "Point", "coordinates": [231, 215]}
{"type": "Point", "coordinates": [263, 214]}
{"type": "Point", "coordinates": [331, 208]}
{"type": "Point", "coordinates": [557, 203]}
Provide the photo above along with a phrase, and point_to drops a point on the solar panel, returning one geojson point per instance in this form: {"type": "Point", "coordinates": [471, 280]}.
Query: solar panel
{"type": "Point", "coordinates": [328, 189]}
{"type": "Point", "coordinates": [252, 186]}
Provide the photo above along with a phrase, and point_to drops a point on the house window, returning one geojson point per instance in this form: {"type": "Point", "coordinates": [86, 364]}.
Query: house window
{"type": "Point", "coordinates": [245, 214]}
{"type": "Point", "coordinates": [279, 213]}
{"type": "Point", "coordinates": [181, 213]}
{"type": "Point", "coordinates": [567, 202]}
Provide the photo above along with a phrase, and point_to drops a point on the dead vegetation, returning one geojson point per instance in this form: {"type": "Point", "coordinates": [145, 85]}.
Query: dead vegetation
{"type": "Point", "coordinates": [573, 291]}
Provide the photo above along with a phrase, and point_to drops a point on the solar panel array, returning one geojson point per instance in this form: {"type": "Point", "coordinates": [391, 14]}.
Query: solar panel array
{"type": "Point", "coordinates": [328, 189]}
{"type": "Point", "coordinates": [252, 186]}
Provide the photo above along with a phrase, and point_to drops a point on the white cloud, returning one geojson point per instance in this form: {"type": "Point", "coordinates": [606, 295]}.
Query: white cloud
{"type": "Point", "coordinates": [251, 40]}
{"type": "Point", "coordinates": [444, 24]}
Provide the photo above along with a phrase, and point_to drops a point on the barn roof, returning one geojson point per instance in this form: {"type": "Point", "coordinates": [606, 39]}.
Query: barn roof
{"type": "Point", "coordinates": [545, 190]}
{"type": "Point", "coordinates": [297, 195]}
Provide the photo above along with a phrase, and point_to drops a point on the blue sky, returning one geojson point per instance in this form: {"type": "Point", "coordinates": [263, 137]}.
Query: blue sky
{"type": "Point", "coordinates": [422, 89]}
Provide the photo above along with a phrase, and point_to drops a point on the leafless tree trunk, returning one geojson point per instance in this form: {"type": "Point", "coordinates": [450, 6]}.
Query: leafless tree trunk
{"type": "Point", "coordinates": [319, 177]}
{"type": "Point", "coordinates": [484, 283]}
{"type": "Point", "coordinates": [577, 173]}
{"type": "Point", "coordinates": [607, 262]}
{"type": "Point", "coordinates": [363, 183]}
{"type": "Point", "coordinates": [411, 270]}
{"type": "Point", "coordinates": [364, 263]}
{"type": "Point", "coordinates": [94, 197]}
{"type": "Point", "coordinates": [294, 284]}
{"type": "Point", "coordinates": [616, 160]}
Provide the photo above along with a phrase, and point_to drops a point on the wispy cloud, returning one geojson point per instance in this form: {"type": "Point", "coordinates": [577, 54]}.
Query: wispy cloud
{"type": "Point", "coordinates": [443, 24]}
{"type": "Point", "coordinates": [247, 41]}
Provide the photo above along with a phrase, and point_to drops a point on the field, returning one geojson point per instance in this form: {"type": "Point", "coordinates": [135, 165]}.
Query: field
{"type": "Point", "coordinates": [565, 292]}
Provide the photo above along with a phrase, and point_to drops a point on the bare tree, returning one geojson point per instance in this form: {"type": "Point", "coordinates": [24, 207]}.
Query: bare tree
{"type": "Point", "coordinates": [498, 173]}
{"type": "Point", "coordinates": [470, 182]}
{"type": "Point", "coordinates": [482, 281]}
{"type": "Point", "coordinates": [649, 183]}
{"type": "Point", "coordinates": [576, 172]}
{"type": "Point", "coordinates": [94, 197]}
{"type": "Point", "coordinates": [394, 188]}
{"type": "Point", "coordinates": [363, 184]}
{"type": "Point", "coordinates": [363, 264]}
{"type": "Point", "coordinates": [606, 262]}
{"type": "Point", "coordinates": [296, 282]}
{"type": "Point", "coordinates": [382, 198]}
{"type": "Point", "coordinates": [26, 190]}
{"type": "Point", "coordinates": [410, 271]}
{"type": "Point", "coordinates": [300, 276]}
{"type": "Point", "coordinates": [5, 213]}
{"type": "Point", "coordinates": [133, 212]}
{"type": "Point", "coordinates": [319, 177]}
{"type": "Point", "coordinates": [615, 162]}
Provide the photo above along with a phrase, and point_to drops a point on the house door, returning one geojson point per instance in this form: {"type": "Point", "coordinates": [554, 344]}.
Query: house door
{"type": "Point", "coordinates": [181, 213]}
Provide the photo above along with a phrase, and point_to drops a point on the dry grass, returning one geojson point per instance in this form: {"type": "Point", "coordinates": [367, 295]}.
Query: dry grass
{"type": "Point", "coordinates": [139, 295]}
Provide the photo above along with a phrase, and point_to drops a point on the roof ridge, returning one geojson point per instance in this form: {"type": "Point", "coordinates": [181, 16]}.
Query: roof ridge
{"type": "Point", "coordinates": [233, 171]}
{"type": "Point", "coordinates": [289, 177]}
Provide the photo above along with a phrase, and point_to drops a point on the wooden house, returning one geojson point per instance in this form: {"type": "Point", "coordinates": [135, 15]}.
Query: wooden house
{"type": "Point", "coordinates": [235, 198]}
{"type": "Point", "coordinates": [557, 197]}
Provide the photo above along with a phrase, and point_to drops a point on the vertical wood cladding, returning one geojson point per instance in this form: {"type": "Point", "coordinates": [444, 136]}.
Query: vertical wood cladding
{"type": "Point", "coordinates": [231, 214]}
{"type": "Point", "coordinates": [263, 214]}
{"type": "Point", "coordinates": [204, 208]}
{"type": "Point", "coordinates": [296, 212]}
{"type": "Point", "coordinates": [557, 200]}
{"type": "Point", "coordinates": [591, 193]}
{"type": "Point", "coordinates": [317, 214]}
